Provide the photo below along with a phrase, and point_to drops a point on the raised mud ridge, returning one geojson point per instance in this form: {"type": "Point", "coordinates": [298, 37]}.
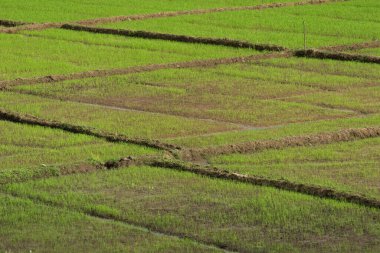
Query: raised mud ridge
{"type": "Point", "coordinates": [10, 23]}
{"type": "Point", "coordinates": [139, 69]}
{"type": "Point", "coordinates": [213, 172]}
{"type": "Point", "coordinates": [203, 11]}
{"type": "Point", "coordinates": [173, 37]}
{"type": "Point", "coordinates": [357, 46]}
{"type": "Point", "coordinates": [318, 54]}
{"type": "Point", "coordinates": [30, 27]}
{"type": "Point", "coordinates": [296, 141]}
{"type": "Point", "coordinates": [31, 120]}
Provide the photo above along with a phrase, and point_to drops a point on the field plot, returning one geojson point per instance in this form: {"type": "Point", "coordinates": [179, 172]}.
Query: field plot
{"type": "Point", "coordinates": [189, 126]}
{"type": "Point", "coordinates": [327, 25]}
{"type": "Point", "coordinates": [239, 93]}
{"type": "Point", "coordinates": [76, 232]}
{"type": "Point", "coordinates": [33, 151]}
{"type": "Point", "coordinates": [55, 11]}
{"type": "Point", "coordinates": [61, 52]}
{"type": "Point", "coordinates": [217, 211]}
{"type": "Point", "coordinates": [109, 119]}
{"type": "Point", "coordinates": [350, 167]}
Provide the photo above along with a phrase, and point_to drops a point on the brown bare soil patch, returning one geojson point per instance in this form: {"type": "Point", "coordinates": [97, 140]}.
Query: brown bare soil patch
{"type": "Point", "coordinates": [357, 46]}
{"type": "Point", "coordinates": [173, 37]}
{"type": "Point", "coordinates": [318, 54]}
{"type": "Point", "coordinates": [28, 27]}
{"type": "Point", "coordinates": [139, 69]}
{"type": "Point", "coordinates": [31, 120]}
{"type": "Point", "coordinates": [296, 141]}
{"type": "Point", "coordinates": [10, 23]}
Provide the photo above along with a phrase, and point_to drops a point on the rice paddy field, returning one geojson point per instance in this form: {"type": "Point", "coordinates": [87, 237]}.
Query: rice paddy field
{"type": "Point", "coordinates": [190, 126]}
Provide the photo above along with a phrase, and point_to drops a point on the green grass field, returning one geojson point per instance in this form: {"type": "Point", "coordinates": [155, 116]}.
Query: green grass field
{"type": "Point", "coordinates": [111, 143]}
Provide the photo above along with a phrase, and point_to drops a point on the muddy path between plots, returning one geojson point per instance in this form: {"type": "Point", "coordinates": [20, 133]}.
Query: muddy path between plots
{"type": "Point", "coordinates": [213, 172]}
{"type": "Point", "coordinates": [202, 11]}
{"type": "Point", "coordinates": [344, 135]}
{"type": "Point", "coordinates": [352, 47]}
{"type": "Point", "coordinates": [319, 54]}
{"type": "Point", "coordinates": [10, 23]}
{"type": "Point", "coordinates": [30, 27]}
{"type": "Point", "coordinates": [111, 137]}
{"type": "Point", "coordinates": [139, 69]}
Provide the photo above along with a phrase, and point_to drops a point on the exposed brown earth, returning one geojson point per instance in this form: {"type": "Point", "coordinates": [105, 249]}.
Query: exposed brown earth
{"type": "Point", "coordinates": [204, 11]}
{"type": "Point", "coordinates": [295, 141]}
{"type": "Point", "coordinates": [173, 37]}
{"type": "Point", "coordinates": [357, 46]}
{"type": "Point", "coordinates": [10, 23]}
{"type": "Point", "coordinates": [31, 120]}
{"type": "Point", "coordinates": [213, 172]}
{"type": "Point", "coordinates": [318, 54]}
{"type": "Point", "coordinates": [139, 69]}
{"type": "Point", "coordinates": [29, 27]}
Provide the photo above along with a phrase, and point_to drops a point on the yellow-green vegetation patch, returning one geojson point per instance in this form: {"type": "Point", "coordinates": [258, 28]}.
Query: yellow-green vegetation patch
{"type": "Point", "coordinates": [137, 124]}
{"type": "Point", "coordinates": [326, 25]}
{"type": "Point", "coordinates": [350, 167]}
{"type": "Point", "coordinates": [238, 216]}
{"type": "Point", "coordinates": [32, 227]}
{"type": "Point", "coordinates": [33, 151]}
{"type": "Point", "coordinates": [55, 51]}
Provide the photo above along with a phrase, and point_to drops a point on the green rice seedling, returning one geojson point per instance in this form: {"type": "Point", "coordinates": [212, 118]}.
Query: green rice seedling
{"type": "Point", "coordinates": [48, 11]}
{"type": "Point", "coordinates": [30, 56]}
{"type": "Point", "coordinates": [29, 226]}
{"type": "Point", "coordinates": [32, 151]}
{"type": "Point", "coordinates": [274, 133]}
{"type": "Point", "coordinates": [238, 216]}
{"type": "Point", "coordinates": [135, 124]}
{"type": "Point", "coordinates": [349, 167]}
{"type": "Point", "coordinates": [324, 26]}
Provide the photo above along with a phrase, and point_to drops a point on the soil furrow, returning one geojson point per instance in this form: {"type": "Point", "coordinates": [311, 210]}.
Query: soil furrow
{"type": "Point", "coordinates": [202, 11]}
{"type": "Point", "coordinates": [31, 120]}
{"type": "Point", "coordinates": [327, 106]}
{"type": "Point", "coordinates": [10, 23]}
{"type": "Point", "coordinates": [115, 218]}
{"type": "Point", "coordinates": [174, 37]}
{"type": "Point", "coordinates": [358, 46]}
{"type": "Point", "coordinates": [318, 54]}
{"type": "Point", "coordinates": [30, 27]}
{"type": "Point", "coordinates": [139, 69]}
{"type": "Point", "coordinates": [295, 141]}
